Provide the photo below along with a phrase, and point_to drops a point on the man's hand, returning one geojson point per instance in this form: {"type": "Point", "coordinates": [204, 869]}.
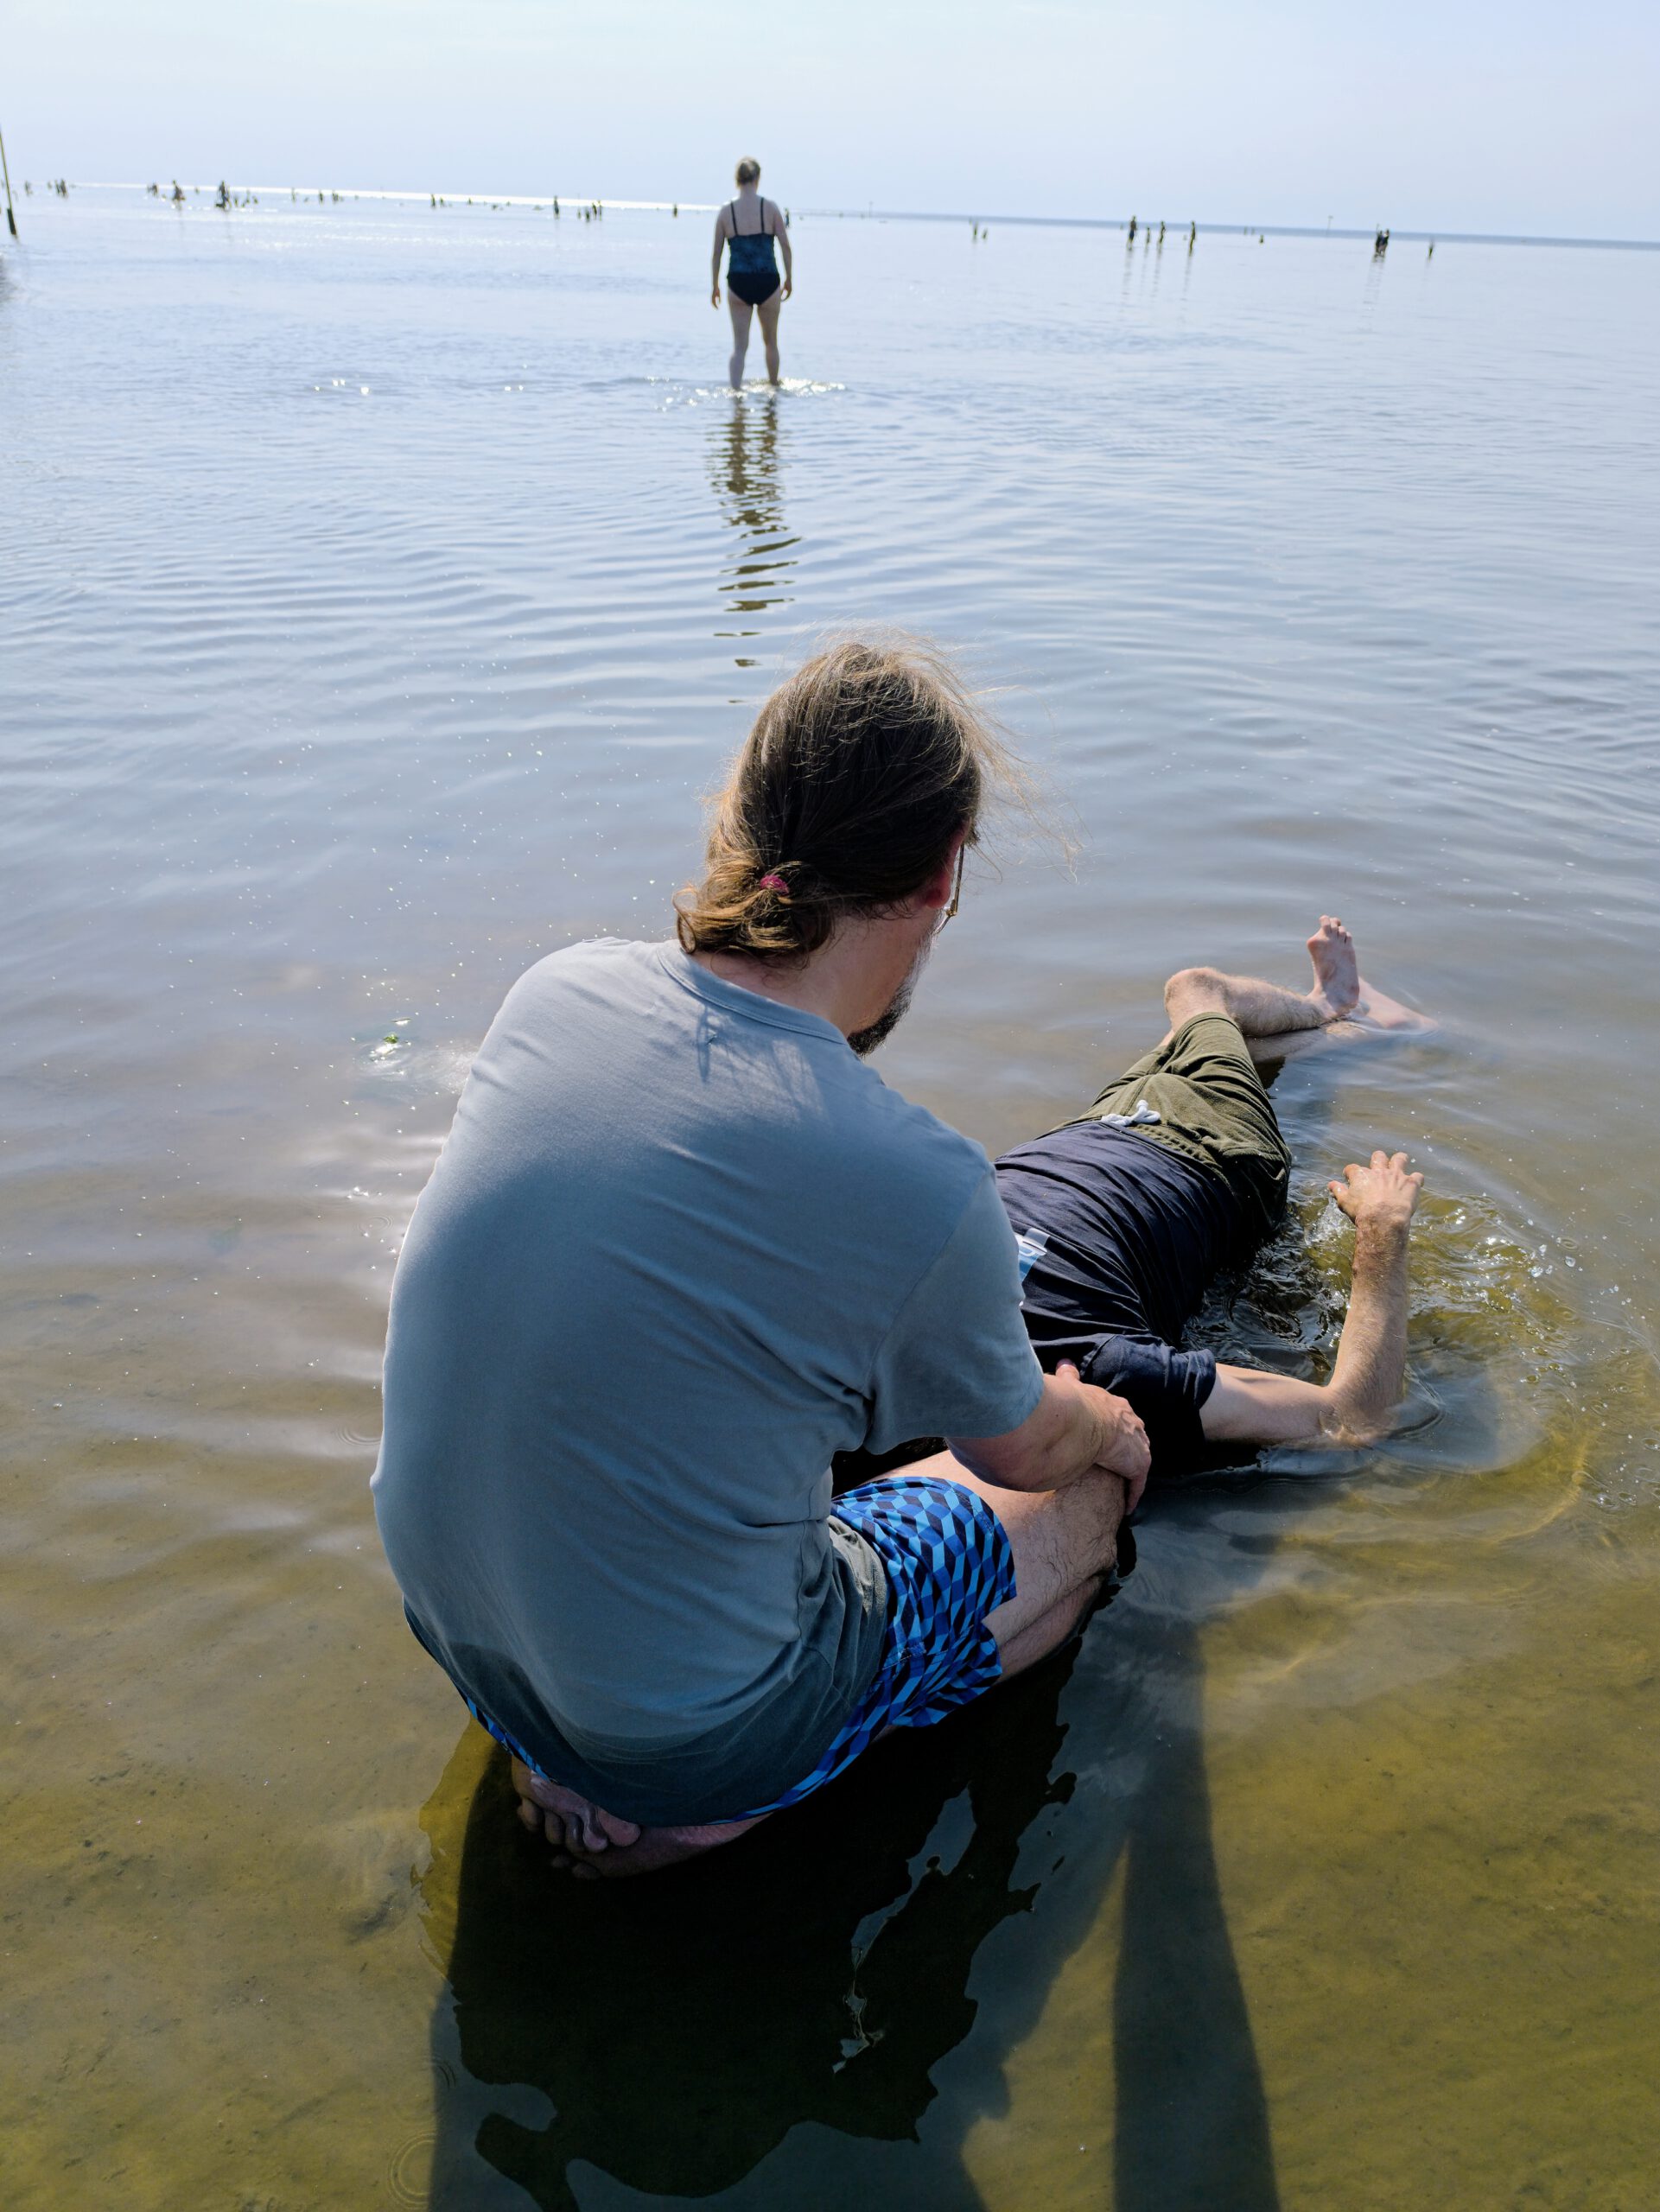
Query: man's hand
{"type": "Point", "coordinates": [1123, 1450]}
{"type": "Point", "coordinates": [1383, 1193]}
{"type": "Point", "coordinates": [1074, 1430]}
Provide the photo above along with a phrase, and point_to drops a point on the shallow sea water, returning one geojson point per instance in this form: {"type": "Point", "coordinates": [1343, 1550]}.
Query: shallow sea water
{"type": "Point", "coordinates": [382, 587]}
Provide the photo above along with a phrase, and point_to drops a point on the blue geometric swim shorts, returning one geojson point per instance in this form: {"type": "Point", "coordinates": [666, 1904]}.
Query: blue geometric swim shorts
{"type": "Point", "coordinates": [949, 1562]}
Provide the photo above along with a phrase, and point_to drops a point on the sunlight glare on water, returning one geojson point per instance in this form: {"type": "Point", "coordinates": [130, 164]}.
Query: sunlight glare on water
{"type": "Point", "coordinates": [382, 587]}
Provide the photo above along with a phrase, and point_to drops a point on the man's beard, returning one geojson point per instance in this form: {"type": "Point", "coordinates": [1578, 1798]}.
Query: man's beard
{"type": "Point", "coordinates": [865, 1041]}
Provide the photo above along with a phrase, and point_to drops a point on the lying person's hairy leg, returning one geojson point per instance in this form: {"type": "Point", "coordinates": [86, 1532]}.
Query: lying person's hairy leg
{"type": "Point", "coordinates": [1370, 1012]}
{"type": "Point", "coordinates": [1262, 1009]}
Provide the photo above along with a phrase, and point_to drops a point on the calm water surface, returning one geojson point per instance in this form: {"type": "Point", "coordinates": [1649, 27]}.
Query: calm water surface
{"type": "Point", "coordinates": [381, 589]}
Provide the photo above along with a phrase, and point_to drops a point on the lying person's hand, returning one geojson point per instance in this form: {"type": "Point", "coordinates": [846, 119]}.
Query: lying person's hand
{"type": "Point", "coordinates": [1382, 1192]}
{"type": "Point", "coordinates": [1123, 1450]}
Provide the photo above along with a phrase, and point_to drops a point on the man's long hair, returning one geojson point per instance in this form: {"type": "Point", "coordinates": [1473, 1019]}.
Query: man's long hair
{"type": "Point", "coordinates": [860, 773]}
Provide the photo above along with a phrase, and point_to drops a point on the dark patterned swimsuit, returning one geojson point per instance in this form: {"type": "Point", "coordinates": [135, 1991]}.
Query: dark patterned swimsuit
{"type": "Point", "coordinates": [751, 265]}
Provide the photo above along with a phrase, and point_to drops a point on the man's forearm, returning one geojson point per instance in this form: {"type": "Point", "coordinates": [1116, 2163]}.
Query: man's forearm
{"type": "Point", "coordinates": [1245, 1406]}
{"type": "Point", "coordinates": [1074, 1430]}
{"type": "Point", "coordinates": [1061, 1440]}
{"type": "Point", "coordinates": [1079, 1440]}
{"type": "Point", "coordinates": [1366, 1382]}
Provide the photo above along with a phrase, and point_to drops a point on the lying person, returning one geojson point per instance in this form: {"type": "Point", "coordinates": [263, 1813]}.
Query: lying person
{"type": "Point", "coordinates": [1125, 1215]}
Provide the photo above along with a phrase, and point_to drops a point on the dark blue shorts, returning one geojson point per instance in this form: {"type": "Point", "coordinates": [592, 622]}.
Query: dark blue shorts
{"type": "Point", "coordinates": [949, 1563]}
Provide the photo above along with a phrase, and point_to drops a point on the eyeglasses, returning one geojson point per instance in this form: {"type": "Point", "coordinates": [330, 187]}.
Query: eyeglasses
{"type": "Point", "coordinates": [950, 913]}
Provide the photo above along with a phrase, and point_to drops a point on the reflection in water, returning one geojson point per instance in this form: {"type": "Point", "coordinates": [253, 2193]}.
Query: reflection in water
{"type": "Point", "coordinates": [674, 2033]}
{"type": "Point", "coordinates": [744, 465]}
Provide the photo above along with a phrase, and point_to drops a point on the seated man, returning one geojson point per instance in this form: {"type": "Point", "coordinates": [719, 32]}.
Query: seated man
{"type": "Point", "coordinates": [1123, 1218]}
{"type": "Point", "coordinates": [682, 1249]}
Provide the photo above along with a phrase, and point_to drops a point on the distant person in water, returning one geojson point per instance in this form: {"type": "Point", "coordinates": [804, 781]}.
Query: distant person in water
{"type": "Point", "coordinates": [746, 229]}
{"type": "Point", "coordinates": [683, 1246]}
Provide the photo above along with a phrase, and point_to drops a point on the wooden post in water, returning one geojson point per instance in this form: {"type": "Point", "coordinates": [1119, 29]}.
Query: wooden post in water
{"type": "Point", "coordinates": [11, 221]}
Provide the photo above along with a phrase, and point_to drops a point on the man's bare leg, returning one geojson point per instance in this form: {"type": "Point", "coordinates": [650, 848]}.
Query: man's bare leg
{"type": "Point", "coordinates": [1050, 1631]}
{"type": "Point", "coordinates": [1063, 1543]}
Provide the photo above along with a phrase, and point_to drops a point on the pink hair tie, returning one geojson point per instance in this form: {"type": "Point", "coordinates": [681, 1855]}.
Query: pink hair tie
{"type": "Point", "coordinates": [775, 882]}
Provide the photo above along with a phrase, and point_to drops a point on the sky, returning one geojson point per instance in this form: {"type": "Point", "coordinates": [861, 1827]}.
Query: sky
{"type": "Point", "coordinates": [1469, 115]}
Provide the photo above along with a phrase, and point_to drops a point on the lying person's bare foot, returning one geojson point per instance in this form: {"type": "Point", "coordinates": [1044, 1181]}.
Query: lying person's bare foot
{"type": "Point", "coordinates": [593, 1844]}
{"type": "Point", "coordinates": [1375, 1009]}
{"type": "Point", "coordinates": [1337, 971]}
{"type": "Point", "coordinates": [1350, 1008]}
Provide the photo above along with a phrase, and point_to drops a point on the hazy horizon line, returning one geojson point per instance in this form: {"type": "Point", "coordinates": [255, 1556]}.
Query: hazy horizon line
{"type": "Point", "coordinates": [498, 199]}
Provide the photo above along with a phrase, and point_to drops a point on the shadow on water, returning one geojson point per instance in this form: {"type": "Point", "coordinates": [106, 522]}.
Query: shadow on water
{"type": "Point", "coordinates": [1192, 2128]}
{"type": "Point", "coordinates": [745, 453]}
{"type": "Point", "coordinates": [668, 2036]}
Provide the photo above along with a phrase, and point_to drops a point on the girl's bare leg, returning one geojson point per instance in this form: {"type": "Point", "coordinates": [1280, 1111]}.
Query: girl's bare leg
{"type": "Point", "coordinates": [741, 312]}
{"type": "Point", "coordinates": [768, 313]}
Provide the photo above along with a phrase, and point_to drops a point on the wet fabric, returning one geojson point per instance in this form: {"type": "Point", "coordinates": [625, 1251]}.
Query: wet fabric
{"type": "Point", "coordinates": [1213, 1109]}
{"type": "Point", "coordinates": [1121, 1223]}
{"type": "Point", "coordinates": [948, 1563]}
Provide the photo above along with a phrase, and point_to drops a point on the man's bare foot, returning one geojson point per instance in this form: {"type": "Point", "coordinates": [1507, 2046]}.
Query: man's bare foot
{"type": "Point", "coordinates": [1337, 971]}
{"type": "Point", "coordinates": [593, 1844]}
{"type": "Point", "coordinates": [569, 1822]}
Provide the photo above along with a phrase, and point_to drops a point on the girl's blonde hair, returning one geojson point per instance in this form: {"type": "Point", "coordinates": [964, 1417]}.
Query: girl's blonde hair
{"type": "Point", "coordinates": [748, 172]}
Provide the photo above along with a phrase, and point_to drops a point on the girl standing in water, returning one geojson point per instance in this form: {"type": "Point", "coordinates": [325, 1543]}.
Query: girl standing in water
{"type": "Point", "coordinates": [748, 225]}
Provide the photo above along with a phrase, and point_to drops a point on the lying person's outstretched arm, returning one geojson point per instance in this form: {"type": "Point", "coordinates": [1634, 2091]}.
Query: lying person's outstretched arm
{"type": "Point", "coordinates": [1073, 1429]}
{"type": "Point", "coordinates": [1248, 1406]}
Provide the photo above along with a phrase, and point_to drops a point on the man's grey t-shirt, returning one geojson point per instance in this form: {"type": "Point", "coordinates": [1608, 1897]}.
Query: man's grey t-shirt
{"type": "Point", "coordinates": [681, 1247]}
